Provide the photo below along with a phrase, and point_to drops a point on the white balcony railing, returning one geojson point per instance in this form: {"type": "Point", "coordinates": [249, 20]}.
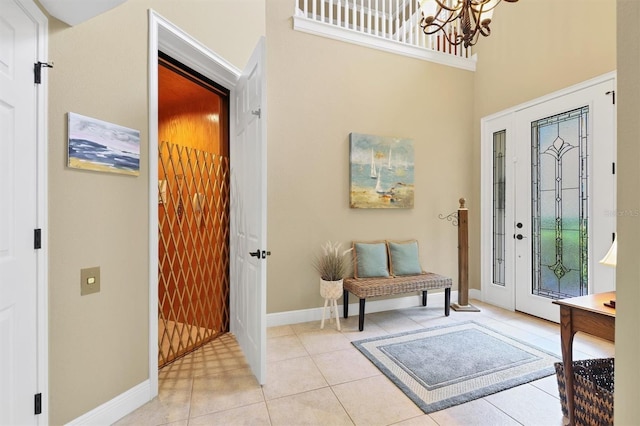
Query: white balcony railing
{"type": "Point", "coordinates": [391, 25]}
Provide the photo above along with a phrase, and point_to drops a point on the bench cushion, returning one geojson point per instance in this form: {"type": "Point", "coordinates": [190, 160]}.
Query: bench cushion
{"type": "Point", "coordinates": [370, 287]}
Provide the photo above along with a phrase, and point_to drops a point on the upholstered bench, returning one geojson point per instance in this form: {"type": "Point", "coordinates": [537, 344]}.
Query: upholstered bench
{"type": "Point", "coordinates": [388, 268]}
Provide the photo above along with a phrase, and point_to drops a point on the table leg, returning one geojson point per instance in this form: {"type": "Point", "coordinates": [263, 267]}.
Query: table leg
{"type": "Point", "coordinates": [566, 338]}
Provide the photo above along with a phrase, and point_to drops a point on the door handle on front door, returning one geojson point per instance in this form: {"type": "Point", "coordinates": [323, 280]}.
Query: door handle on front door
{"type": "Point", "coordinates": [519, 236]}
{"type": "Point", "coordinates": [255, 253]}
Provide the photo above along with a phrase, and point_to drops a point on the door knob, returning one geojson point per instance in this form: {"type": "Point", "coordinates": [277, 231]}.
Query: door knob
{"type": "Point", "coordinates": [260, 254]}
{"type": "Point", "coordinates": [520, 236]}
{"type": "Point", "coordinates": [519, 225]}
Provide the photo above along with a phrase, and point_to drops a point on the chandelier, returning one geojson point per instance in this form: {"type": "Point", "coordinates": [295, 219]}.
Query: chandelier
{"type": "Point", "coordinates": [474, 16]}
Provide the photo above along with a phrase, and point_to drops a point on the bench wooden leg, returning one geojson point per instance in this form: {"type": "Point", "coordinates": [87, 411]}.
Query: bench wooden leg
{"type": "Point", "coordinates": [447, 301]}
{"type": "Point", "coordinates": [345, 301]}
{"type": "Point", "coordinates": [424, 297]}
{"type": "Point", "coordinates": [361, 317]}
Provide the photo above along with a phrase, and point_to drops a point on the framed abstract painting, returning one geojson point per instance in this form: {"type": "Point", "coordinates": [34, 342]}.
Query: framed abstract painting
{"type": "Point", "coordinates": [381, 172]}
{"type": "Point", "coordinates": [102, 147]}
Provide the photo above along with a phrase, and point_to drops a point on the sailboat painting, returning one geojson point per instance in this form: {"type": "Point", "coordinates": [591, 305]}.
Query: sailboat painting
{"type": "Point", "coordinates": [381, 172]}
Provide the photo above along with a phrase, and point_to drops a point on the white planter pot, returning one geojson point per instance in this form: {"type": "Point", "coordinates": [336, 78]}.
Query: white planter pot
{"type": "Point", "coordinates": [330, 289]}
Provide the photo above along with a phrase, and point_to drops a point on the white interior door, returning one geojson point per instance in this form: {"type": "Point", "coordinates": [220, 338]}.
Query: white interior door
{"type": "Point", "coordinates": [248, 215]}
{"type": "Point", "coordinates": [18, 216]}
{"type": "Point", "coordinates": [558, 191]}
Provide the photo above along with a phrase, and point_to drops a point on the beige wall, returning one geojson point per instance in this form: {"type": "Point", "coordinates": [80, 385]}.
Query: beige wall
{"type": "Point", "coordinates": [320, 90]}
{"type": "Point", "coordinates": [627, 395]}
{"type": "Point", "coordinates": [99, 343]}
{"type": "Point", "coordinates": [536, 47]}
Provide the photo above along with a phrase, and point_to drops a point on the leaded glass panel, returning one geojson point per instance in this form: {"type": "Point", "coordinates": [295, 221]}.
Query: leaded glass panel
{"type": "Point", "coordinates": [499, 181]}
{"type": "Point", "coordinates": [559, 172]}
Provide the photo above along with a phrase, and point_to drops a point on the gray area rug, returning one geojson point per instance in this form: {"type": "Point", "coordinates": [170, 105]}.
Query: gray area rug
{"type": "Point", "coordinates": [445, 366]}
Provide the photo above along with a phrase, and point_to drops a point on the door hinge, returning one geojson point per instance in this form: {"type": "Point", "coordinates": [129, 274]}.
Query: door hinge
{"type": "Point", "coordinates": [613, 168]}
{"type": "Point", "coordinates": [37, 403]}
{"type": "Point", "coordinates": [37, 238]}
{"type": "Point", "coordinates": [613, 96]}
{"type": "Point", "coordinates": [257, 112]}
{"type": "Point", "coordinates": [37, 70]}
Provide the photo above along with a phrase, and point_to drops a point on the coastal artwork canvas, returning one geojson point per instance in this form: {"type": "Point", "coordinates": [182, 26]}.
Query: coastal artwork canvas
{"type": "Point", "coordinates": [103, 147]}
{"type": "Point", "coordinates": [381, 171]}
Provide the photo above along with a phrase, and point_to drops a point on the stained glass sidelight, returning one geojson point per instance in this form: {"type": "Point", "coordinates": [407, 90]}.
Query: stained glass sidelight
{"type": "Point", "coordinates": [499, 181]}
{"type": "Point", "coordinates": [559, 171]}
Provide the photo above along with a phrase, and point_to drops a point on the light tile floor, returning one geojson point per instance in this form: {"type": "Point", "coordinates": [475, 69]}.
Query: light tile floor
{"type": "Point", "coordinates": [317, 377]}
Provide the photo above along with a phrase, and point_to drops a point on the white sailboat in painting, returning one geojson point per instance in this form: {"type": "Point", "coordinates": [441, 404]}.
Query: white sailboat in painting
{"type": "Point", "coordinates": [379, 189]}
{"type": "Point", "coordinates": [389, 165]}
{"type": "Point", "coordinates": [373, 174]}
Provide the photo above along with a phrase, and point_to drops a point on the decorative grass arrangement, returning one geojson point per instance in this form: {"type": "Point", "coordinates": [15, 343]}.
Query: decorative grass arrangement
{"type": "Point", "coordinates": [331, 264]}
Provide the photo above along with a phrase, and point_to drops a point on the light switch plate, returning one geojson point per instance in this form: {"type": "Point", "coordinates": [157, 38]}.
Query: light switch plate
{"type": "Point", "coordinates": [89, 280]}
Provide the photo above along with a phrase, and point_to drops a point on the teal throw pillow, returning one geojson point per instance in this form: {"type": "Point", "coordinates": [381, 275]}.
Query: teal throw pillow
{"type": "Point", "coordinates": [404, 258]}
{"type": "Point", "coordinates": [370, 260]}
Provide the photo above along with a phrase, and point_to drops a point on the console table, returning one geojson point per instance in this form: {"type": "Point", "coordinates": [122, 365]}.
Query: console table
{"type": "Point", "coordinates": [589, 315]}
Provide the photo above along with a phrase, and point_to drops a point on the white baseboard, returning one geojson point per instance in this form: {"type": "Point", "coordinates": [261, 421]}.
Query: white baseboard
{"type": "Point", "coordinates": [115, 409]}
{"type": "Point", "coordinates": [375, 305]}
{"type": "Point", "coordinates": [475, 294]}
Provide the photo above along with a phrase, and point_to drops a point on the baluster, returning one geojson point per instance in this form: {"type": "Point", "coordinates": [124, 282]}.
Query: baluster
{"type": "Point", "coordinates": [383, 20]}
{"type": "Point", "coordinates": [404, 22]}
{"type": "Point", "coordinates": [410, 22]}
{"type": "Point", "coordinates": [375, 27]}
{"type": "Point", "coordinates": [397, 23]}
{"type": "Point", "coordinates": [419, 39]}
{"type": "Point", "coordinates": [321, 10]}
{"type": "Point", "coordinates": [369, 16]}
{"type": "Point", "coordinates": [390, 20]}
{"type": "Point", "coordinates": [314, 9]}
{"type": "Point", "coordinates": [338, 13]}
{"type": "Point", "coordinates": [331, 12]}
{"type": "Point", "coordinates": [362, 16]}
{"type": "Point", "coordinates": [305, 8]}
{"type": "Point", "coordinates": [346, 13]}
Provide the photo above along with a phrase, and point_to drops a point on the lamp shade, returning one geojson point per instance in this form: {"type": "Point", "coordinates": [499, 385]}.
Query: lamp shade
{"type": "Point", "coordinates": [610, 259]}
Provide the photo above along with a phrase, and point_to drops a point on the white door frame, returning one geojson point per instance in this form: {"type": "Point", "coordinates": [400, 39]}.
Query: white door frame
{"type": "Point", "coordinates": [507, 300]}
{"type": "Point", "coordinates": [165, 36]}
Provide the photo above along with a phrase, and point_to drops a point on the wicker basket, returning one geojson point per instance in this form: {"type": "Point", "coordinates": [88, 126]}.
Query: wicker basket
{"type": "Point", "coordinates": [593, 391]}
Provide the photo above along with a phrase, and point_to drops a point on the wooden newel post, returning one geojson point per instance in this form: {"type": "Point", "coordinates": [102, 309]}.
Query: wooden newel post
{"type": "Point", "coordinates": [463, 261]}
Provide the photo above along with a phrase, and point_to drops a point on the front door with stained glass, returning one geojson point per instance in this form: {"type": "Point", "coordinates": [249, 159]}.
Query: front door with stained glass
{"type": "Point", "coordinates": [563, 191]}
{"type": "Point", "coordinates": [549, 214]}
